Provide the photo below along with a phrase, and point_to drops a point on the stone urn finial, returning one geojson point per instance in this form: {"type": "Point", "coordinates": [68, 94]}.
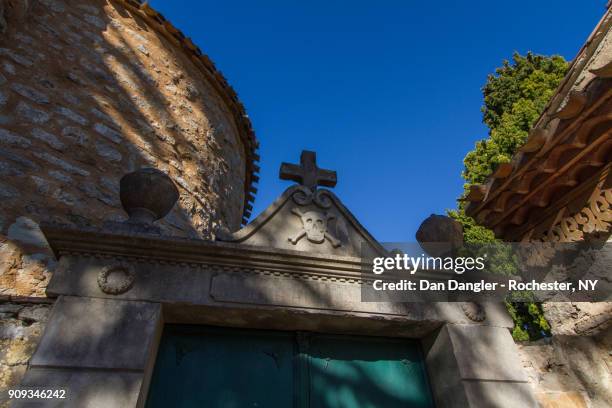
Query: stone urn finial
{"type": "Point", "coordinates": [147, 195]}
{"type": "Point", "coordinates": [440, 235]}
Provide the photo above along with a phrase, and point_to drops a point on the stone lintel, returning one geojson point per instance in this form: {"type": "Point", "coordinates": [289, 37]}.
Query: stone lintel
{"type": "Point", "coordinates": [414, 324]}
{"type": "Point", "coordinates": [319, 291]}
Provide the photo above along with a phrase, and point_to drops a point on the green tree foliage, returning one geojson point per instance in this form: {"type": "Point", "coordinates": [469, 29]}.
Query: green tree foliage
{"type": "Point", "coordinates": [529, 321]}
{"type": "Point", "coordinates": [514, 97]}
{"type": "Point", "coordinates": [472, 232]}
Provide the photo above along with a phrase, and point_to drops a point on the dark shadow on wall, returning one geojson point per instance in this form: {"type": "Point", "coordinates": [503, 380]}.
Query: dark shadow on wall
{"type": "Point", "coordinates": [85, 99]}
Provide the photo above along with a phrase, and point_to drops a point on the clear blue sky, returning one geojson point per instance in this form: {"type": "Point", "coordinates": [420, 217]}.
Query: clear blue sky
{"type": "Point", "coordinates": [386, 92]}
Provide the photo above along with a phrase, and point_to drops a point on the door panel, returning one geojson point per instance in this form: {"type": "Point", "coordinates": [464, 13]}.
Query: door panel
{"type": "Point", "coordinates": [200, 366]}
{"type": "Point", "coordinates": [214, 367]}
{"type": "Point", "coordinates": [366, 372]}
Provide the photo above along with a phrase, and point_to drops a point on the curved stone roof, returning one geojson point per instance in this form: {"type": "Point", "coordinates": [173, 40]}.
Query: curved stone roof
{"type": "Point", "coordinates": [218, 81]}
{"type": "Point", "coordinates": [571, 141]}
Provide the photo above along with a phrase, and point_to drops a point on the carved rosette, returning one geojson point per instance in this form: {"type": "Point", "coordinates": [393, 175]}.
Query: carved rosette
{"type": "Point", "coordinates": [474, 311]}
{"type": "Point", "coordinates": [116, 279]}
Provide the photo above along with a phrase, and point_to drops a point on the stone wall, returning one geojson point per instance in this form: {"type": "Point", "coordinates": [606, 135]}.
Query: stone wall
{"type": "Point", "coordinates": [89, 91]}
{"type": "Point", "coordinates": [21, 325]}
{"type": "Point", "coordinates": [573, 368]}
{"type": "Point", "coordinates": [570, 371]}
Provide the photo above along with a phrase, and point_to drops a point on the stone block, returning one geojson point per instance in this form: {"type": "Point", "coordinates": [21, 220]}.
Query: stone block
{"type": "Point", "coordinates": [48, 138]}
{"type": "Point", "coordinates": [499, 394]}
{"type": "Point", "coordinates": [30, 93]}
{"type": "Point", "coordinates": [9, 68]}
{"type": "Point", "coordinates": [72, 115]}
{"type": "Point", "coordinates": [75, 135]}
{"type": "Point", "coordinates": [8, 191]}
{"type": "Point", "coordinates": [443, 370]}
{"type": "Point", "coordinates": [101, 115]}
{"type": "Point", "coordinates": [476, 366]}
{"type": "Point", "coordinates": [65, 197]}
{"type": "Point", "coordinates": [107, 152]}
{"type": "Point", "coordinates": [18, 58]}
{"type": "Point", "coordinates": [34, 313]}
{"type": "Point", "coordinates": [58, 175]}
{"type": "Point", "coordinates": [13, 330]}
{"type": "Point", "coordinates": [92, 191]}
{"type": "Point", "coordinates": [97, 333]}
{"type": "Point", "coordinates": [84, 388]}
{"type": "Point", "coordinates": [10, 138]}
{"type": "Point", "coordinates": [42, 185]}
{"type": "Point", "coordinates": [486, 353]}
{"type": "Point", "coordinates": [18, 161]}
{"type": "Point", "coordinates": [109, 133]}
{"type": "Point", "coordinates": [61, 163]}
{"type": "Point", "coordinates": [32, 114]}
{"type": "Point", "coordinates": [10, 308]}
{"type": "Point", "coordinates": [8, 170]}
{"type": "Point", "coordinates": [96, 21]}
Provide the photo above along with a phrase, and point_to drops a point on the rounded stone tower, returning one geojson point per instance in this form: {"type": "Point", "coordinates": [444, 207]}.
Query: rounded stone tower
{"type": "Point", "coordinates": [91, 90]}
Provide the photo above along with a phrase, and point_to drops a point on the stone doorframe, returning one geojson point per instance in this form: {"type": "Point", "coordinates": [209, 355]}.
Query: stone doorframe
{"type": "Point", "coordinates": [115, 291]}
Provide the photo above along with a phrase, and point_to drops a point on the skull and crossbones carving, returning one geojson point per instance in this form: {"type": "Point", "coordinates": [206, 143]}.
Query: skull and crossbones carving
{"type": "Point", "coordinates": [314, 227]}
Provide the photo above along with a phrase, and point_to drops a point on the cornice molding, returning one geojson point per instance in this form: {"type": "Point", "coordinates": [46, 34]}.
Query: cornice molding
{"type": "Point", "coordinates": [144, 247]}
{"type": "Point", "coordinates": [136, 248]}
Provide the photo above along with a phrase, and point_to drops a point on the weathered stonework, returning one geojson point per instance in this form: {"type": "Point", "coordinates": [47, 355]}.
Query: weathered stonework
{"type": "Point", "coordinates": [569, 371]}
{"type": "Point", "coordinates": [89, 91]}
{"type": "Point", "coordinates": [21, 325]}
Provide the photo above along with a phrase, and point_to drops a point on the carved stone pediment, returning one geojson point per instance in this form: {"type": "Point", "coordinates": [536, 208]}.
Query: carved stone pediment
{"type": "Point", "coordinates": [306, 220]}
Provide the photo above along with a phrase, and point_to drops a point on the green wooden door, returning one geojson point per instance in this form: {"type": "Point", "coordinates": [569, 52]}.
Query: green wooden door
{"type": "Point", "coordinates": [201, 366]}
{"type": "Point", "coordinates": [213, 367]}
{"type": "Point", "coordinates": [366, 372]}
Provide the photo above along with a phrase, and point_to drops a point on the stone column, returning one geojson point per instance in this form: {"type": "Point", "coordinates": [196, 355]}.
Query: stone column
{"type": "Point", "coordinates": [476, 366]}
{"type": "Point", "coordinates": [100, 351]}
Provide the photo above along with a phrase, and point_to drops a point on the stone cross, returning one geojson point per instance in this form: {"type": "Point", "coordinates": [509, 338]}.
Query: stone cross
{"type": "Point", "coordinates": [307, 173]}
